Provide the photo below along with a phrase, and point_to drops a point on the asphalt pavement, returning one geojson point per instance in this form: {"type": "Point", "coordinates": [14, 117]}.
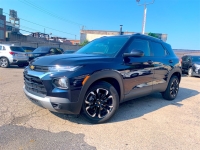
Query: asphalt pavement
{"type": "Point", "coordinates": [148, 123]}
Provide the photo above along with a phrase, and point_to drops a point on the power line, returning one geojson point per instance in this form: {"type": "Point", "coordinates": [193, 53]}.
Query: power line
{"type": "Point", "coordinates": [43, 26]}
{"type": "Point", "coordinates": [48, 12]}
{"type": "Point", "coordinates": [30, 31]}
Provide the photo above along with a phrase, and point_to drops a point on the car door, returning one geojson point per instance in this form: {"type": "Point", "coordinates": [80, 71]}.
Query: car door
{"type": "Point", "coordinates": [138, 74]}
{"type": "Point", "coordinates": [163, 64]}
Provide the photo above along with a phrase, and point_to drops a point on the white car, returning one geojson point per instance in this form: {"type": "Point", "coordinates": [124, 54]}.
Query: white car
{"type": "Point", "coordinates": [12, 55]}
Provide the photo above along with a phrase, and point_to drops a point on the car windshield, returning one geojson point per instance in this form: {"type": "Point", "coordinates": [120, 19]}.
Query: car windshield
{"type": "Point", "coordinates": [109, 46]}
{"type": "Point", "coordinates": [196, 58]}
{"type": "Point", "coordinates": [41, 50]}
{"type": "Point", "coordinates": [17, 49]}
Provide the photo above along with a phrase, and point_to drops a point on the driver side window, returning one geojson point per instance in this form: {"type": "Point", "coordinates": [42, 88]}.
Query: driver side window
{"type": "Point", "coordinates": [140, 44]}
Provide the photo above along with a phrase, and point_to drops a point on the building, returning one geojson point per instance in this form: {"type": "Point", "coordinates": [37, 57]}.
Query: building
{"type": "Point", "coordinates": [2, 26]}
{"type": "Point", "coordinates": [90, 35]}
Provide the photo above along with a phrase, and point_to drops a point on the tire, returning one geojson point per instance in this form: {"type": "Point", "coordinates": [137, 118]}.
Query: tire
{"type": "Point", "coordinates": [190, 72]}
{"type": "Point", "coordinates": [100, 103]}
{"type": "Point", "coordinates": [172, 89]}
{"type": "Point", "coordinates": [4, 63]}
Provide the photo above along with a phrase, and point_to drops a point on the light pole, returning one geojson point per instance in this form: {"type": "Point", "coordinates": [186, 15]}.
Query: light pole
{"type": "Point", "coordinates": [145, 13]}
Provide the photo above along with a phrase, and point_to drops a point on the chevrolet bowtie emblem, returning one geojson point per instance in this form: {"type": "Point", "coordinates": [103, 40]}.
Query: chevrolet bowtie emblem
{"type": "Point", "coordinates": [32, 67]}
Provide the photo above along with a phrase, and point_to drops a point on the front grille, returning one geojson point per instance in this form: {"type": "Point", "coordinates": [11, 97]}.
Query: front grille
{"type": "Point", "coordinates": [40, 68]}
{"type": "Point", "coordinates": [34, 85]}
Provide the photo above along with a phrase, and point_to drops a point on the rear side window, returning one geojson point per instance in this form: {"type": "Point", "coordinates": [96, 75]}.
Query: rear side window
{"type": "Point", "coordinates": [55, 51]}
{"type": "Point", "coordinates": [157, 49]}
{"type": "Point", "coordinates": [184, 58]}
{"type": "Point", "coordinates": [139, 44]}
{"type": "Point", "coordinates": [16, 49]}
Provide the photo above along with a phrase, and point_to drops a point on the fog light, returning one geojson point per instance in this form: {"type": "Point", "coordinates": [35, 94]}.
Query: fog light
{"type": "Point", "coordinates": [61, 83]}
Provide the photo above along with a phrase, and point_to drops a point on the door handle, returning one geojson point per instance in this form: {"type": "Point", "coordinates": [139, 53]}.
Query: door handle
{"type": "Point", "coordinates": [170, 61]}
{"type": "Point", "coordinates": [150, 62]}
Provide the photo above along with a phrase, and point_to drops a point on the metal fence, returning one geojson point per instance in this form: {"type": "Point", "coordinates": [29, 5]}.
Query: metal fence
{"type": "Point", "coordinates": [38, 44]}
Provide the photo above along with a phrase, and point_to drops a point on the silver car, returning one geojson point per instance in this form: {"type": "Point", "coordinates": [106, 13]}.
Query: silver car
{"type": "Point", "coordinates": [12, 55]}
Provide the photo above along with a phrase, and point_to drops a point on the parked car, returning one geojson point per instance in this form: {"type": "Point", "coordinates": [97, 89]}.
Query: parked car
{"type": "Point", "coordinates": [191, 65]}
{"type": "Point", "coordinates": [12, 55]}
{"type": "Point", "coordinates": [28, 49]}
{"type": "Point", "coordinates": [91, 81]}
{"type": "Point", "coordinates": [69, 51]}
{"type": "Point", "coordinates": [44, 51]}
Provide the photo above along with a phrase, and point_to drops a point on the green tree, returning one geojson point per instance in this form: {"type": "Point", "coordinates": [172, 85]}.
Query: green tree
{"type": "Point", "coordinates": [84, 43]}
{"type": "Point", "coordinates": [153, 35]}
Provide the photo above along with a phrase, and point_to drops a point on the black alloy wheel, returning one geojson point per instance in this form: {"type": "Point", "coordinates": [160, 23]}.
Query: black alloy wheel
{"type": "Point", "coordinates": [172, 89]}
{"type": "Point", "coordinates": [100, 103]}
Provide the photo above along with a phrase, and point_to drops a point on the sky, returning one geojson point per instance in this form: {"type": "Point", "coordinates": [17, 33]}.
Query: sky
{"type": "Point", "coordinates": [179, 19]}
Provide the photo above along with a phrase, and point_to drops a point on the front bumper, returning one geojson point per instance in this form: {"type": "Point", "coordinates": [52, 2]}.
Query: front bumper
{"type": "Point", "coordinates": [55, 104]}
{"type": "Point", "coordinates": [196, 71]}
{"type": "Point", "coordinates": [16, 62]}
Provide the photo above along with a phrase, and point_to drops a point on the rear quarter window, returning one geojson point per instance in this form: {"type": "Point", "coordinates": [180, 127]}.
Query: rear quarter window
{"type": "Point", "coordinates": [157, 49]}
{"type": "Point", "coordinates": [16, 49]}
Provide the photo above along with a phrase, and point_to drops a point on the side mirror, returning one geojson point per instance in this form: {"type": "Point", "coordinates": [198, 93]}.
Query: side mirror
{"type": "Point", "coordinates": [134, 53]}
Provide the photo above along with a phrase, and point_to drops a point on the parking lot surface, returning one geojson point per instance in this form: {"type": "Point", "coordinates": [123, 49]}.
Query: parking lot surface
{"type": "Point", "coordinates": [147, 123]}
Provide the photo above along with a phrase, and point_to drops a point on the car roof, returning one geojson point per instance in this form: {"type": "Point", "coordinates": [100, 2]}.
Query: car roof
{"type": "Point", "coordinates": [137, 35]}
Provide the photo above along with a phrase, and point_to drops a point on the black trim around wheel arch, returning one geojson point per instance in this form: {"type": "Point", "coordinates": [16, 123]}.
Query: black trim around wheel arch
{"type": "Point", "coordinates": [97, 76]}
{"type": "Point", "coordinates": [175, 70]}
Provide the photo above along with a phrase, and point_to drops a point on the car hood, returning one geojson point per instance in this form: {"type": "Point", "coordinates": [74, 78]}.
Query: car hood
{"type": "Point", "coordinates": [70, 59]}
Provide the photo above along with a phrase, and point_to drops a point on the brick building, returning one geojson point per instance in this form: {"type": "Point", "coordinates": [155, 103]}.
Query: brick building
{"type": "Point", "coordinates": [2, 26]}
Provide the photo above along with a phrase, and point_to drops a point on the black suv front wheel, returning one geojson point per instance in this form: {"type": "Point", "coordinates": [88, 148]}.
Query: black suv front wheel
{"type": "Point", "coordinates": [172, 89]}
{"type": "Point", "coordinates": [100, 103]}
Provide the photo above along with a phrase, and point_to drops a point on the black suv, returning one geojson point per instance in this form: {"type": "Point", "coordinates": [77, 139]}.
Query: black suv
{"type": "Point", "coordinates": [102, 74]}
{"type": "Point", "coordinates": [191, 65]}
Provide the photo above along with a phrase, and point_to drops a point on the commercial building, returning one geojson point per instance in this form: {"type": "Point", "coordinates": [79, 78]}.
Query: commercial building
{"type": "Point", "coordinates": [2, 25]}
{"type": "Point", "coordinates": [90, 35]}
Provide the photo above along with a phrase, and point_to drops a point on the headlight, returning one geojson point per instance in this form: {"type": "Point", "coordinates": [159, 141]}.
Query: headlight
{"type": "Point", "coordinates": [58, 68]}
{"type": "Point", "coordinates": [61, 83]}
{"type": "Point", "coordinates": [196, 65]}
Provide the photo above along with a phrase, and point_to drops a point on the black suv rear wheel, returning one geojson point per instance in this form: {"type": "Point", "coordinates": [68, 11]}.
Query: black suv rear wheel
{"type": "Point", "coordinates": [172, 89]}
{"type": "Point", "coordinates": [100, 103]}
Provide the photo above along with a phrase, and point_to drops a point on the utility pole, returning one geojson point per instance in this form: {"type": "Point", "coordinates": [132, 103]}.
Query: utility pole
{"type": "Point", "coordinates": [145, 13]}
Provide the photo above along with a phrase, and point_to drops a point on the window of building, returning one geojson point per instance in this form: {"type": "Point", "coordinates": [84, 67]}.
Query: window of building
{"type": "Point", "coordinates": [1, 23]}
{"type": "Point", "coordinates": [1, 34]}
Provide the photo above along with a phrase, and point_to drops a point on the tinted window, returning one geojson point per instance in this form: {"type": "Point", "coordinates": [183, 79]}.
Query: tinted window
{"type": "Point", "coordinates": [157, 49]}
{"type": "Point", "coordinates": [109, 46]}
{"type": "Point", "coordinates": [55, 51]}
{"type": "Point", "coordinates": [41, 50]}
{"type": "Point", "coordinates": [139, 44]}
{"type": "Point", "coordinates": [184, 58]}
{"type": "Point", "coordinates": [17, 49]}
